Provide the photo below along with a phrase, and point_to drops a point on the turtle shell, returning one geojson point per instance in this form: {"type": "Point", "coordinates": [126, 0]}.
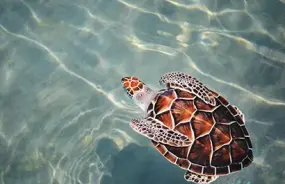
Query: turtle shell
{"type": "Point", "coordinates": [221, 143]}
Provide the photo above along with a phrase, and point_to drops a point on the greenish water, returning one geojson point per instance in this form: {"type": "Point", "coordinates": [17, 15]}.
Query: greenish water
{"type": "Point", "coordinates": [64, 115]}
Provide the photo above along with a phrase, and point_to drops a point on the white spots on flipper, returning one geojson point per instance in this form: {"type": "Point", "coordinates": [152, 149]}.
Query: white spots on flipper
{"type": "Point", "coordinates": [179, 79]}
{"type": "Point", "coordinates": [158, 132]}
{"type": "Point", "coordinates": [199, 179]}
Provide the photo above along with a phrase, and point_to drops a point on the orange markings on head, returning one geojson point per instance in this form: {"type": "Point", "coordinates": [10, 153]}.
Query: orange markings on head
{"type": "Point", "coordinates": [132, 84]}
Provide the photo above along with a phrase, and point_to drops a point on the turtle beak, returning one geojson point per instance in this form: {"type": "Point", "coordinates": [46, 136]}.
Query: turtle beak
{"type": "Point", "coordinates": [124, 80]}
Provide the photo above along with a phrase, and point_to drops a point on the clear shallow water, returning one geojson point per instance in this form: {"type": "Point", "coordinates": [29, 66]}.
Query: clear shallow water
{"type": "Point", "coordinates": [64, 115]}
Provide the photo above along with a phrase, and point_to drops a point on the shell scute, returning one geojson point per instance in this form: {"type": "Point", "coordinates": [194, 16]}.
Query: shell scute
{"type": "Point", "coordinates": [250, 154]}
{"type": "Point", "coordinates": [221, 157]}
{"type": "Point", "coordinates": [150, 108]}
{"type": "Point", "coordinates": [222, 170]}
{"type": "Point", "coordinates": [248, 141]}
{"type": "Point", "coordinates": [209, 170]}
{"type": "Point", "coordinates": [182, 110]}
{"type": "Point", "coordinates": [165, 117]}
{"type": "Point", "coordinates": [200, 152]}
{"type": "Point", "coordinates": [196, 168]}
{"type": "Point", "coordinates": [170, 156]}
{"type": "Point", "coordinates": [244, 130]}
{"type": "Point", "coordinates": [236, 131]}
{"type": "Point", "coordinates": [239, 120]}
{"type": "Point", "coordinates": [222, 100]}
{"type": "Point", "coordinates": [232, 110]}
{"type": "Point", "coordinates": [222, 115]}
{"type": "Point", "coordinates": [234, 167]}
{"type": "Point", "coordinates": [202, 106]}
{"type": "Point", "coordinates": [186, 129]}
{"type": "Point", "coordinates": [150, 114]}
{"type": "Point", "coordinates": [162, 149]}
{"type": "Point", "coordinates": [246, 162]}
{"type": "Point", "coordinates": [164, 100]}
{"type": "Point", "coordinates": [239, 150]}
{"type": "Point", "coordinates": [220, 135]}
{"type": "Point", "coordinates": [202, 123]}
{"type": "Point", "coordinates": [183, 163]}
{"type": "Point", "coordinates": [180, 152]}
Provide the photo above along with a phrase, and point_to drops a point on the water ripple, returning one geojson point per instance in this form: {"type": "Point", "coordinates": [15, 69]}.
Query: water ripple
{"type": "Point", "coordinates": [60, 71]}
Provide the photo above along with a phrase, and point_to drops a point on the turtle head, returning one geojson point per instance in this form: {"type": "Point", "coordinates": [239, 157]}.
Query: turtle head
{"type": "Point", "coordinates": [138, 91]}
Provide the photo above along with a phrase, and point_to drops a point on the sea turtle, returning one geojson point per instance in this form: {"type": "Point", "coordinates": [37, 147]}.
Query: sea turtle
{"type": "Point", "coordinates": [192, 126]}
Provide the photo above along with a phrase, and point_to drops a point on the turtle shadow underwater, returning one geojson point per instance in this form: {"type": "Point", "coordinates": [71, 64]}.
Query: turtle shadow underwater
{"type": "Point", "coordinates": [136, 164]}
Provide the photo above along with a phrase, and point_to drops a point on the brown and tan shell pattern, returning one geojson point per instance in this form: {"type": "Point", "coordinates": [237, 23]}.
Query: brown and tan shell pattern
{"type": "Point", "coordinates": [221, 143]}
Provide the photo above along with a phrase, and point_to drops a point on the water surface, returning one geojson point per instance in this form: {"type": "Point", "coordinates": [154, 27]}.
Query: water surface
{"type": "Point", "coordinates": [64, 115]}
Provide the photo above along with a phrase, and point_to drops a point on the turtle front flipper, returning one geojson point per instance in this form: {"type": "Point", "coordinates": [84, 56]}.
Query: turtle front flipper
{"type": "Point", "coordinates": [158, 132]}
{"type": "Point", "coordinates": [199, 179]}
{"type": "Point", "coordinates": [184, 81]}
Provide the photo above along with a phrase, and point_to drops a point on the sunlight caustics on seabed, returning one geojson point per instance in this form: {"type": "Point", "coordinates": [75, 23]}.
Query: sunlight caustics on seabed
{"type": "Point", "coordinates": [64, 115]}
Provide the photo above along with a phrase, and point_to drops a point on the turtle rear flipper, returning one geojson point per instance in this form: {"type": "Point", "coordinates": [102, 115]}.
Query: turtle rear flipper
{"type": "Point", "coordinates": [158, 132]}
{"type": "Point", "coordinates": [181, 80]}
{"type": "Point", "coordinates": [199, 179]}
